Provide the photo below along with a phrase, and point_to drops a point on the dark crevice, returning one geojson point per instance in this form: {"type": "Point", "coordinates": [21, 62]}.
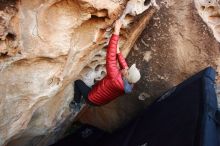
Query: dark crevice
{"type": "Point", "coordinates": [11, 36]}
{"type": "Point", "coordinates": [97, 67]}
{"type": "Point", "coordinates": [147, 2]}
{"type": "Point", "coordinates": [103, 73]}
{"type": "Point", "coordinates": [98, 55]}
{"type": "Point", "coordinates": [7, 3]}
{"type": "Point", "coordinates": [104, 15]}
{"type": "Point", "coordinates": [4, 55]}
{"type": "Point", "coordinates": [95, 17]}
{"type": "Point", "coordinates": [94, 61]}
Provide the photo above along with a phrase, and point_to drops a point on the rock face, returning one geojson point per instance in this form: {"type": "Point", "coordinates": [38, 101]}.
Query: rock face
{"type": "Point", "coordinates": [174, 45]}
{"type": "Point", "coordinates": [44, 47]}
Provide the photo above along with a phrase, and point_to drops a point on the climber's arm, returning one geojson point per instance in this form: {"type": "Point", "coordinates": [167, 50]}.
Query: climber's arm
{"type": "Point", "coordinates": [122, 62]}
{"type": "Point", "coordinates": [111, 59]}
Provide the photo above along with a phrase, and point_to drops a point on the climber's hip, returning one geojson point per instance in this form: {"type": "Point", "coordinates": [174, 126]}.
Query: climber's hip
{"type": "Point", "coordinates": [82, 90]}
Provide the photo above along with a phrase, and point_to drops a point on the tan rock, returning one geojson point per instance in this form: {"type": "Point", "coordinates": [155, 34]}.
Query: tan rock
{"type": "Point", "coordinates": [44, 47]}
{"type": "Point", "coordinates": [209, 11]}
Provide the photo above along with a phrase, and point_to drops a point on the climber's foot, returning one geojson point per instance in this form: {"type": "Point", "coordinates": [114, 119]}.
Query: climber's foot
{"type": "Point", "coordinates": [74, 106]}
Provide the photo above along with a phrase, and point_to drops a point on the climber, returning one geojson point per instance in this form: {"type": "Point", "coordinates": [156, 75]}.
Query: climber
{"type": "Point", "coordinates": [117, 81]}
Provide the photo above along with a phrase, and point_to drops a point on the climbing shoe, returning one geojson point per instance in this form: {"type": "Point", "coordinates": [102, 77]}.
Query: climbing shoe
{"type": "Point", "coordinates": [74, 106]}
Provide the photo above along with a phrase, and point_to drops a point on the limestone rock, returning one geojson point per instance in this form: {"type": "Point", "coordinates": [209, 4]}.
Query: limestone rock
{"type": "Point", "coordinates": [44, 47]}
{"type": "Point", "coordinates": [209, 11]}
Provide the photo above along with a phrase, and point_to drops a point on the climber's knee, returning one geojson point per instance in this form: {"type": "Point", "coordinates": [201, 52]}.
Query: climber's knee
{"type": "Point", "coordinates": [78, 82]}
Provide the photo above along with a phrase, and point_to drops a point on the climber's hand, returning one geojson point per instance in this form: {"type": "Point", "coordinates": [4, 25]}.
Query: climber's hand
{"type": "Point", "coordinates": [118, 24]}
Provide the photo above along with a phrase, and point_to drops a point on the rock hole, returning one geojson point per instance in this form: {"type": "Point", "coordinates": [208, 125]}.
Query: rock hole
{"type": "Point", "coordinates": [2, 21]}
{"type": "Point", "coordinates": [211, 7]}
{"type": "Point", "coordinates": [147, 2]}
{"type": "Point", "coordinates": [4, 55]}
{"type": "Point", "coordinates": [94, 17]}
{"type": "Point", "coordinates": [98, 55]}
{"type": "Point", "coordinates": [98, 67]}
{"type": "Point", "coordinates": [95, 81]}
{"type": "Point", "coordinates": [6, 3]}
{"type": "Point", "coordinates": [101, 13]}
{"type": "Point", "coordinates": [94, 61]}
{"type": "Point", "coordinates": [103, 73]}
{"type": "Point", "coordinates": [11, 36]}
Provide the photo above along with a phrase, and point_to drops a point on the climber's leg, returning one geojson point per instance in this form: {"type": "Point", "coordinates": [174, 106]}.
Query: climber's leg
{"type": "Point", "coordinates": [80, 89]}
{"type": "Point", "coordinates": [77, 92]}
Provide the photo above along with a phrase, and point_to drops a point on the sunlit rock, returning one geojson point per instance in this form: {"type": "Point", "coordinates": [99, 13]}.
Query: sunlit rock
{"type": "Point", "coordinates": [44, 47]}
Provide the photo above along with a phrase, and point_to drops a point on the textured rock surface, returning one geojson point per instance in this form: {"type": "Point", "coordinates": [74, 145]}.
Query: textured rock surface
{"type": "Point", "coordinates": [209, 10]}
{"type": "Point", "coordinates": [175, 45]}
{"type": "Point", "coordinates": [44, 46]}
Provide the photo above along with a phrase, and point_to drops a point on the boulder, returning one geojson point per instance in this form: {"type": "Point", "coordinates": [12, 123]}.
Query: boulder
{"type": "Point", "coordinates": [44, 47]}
